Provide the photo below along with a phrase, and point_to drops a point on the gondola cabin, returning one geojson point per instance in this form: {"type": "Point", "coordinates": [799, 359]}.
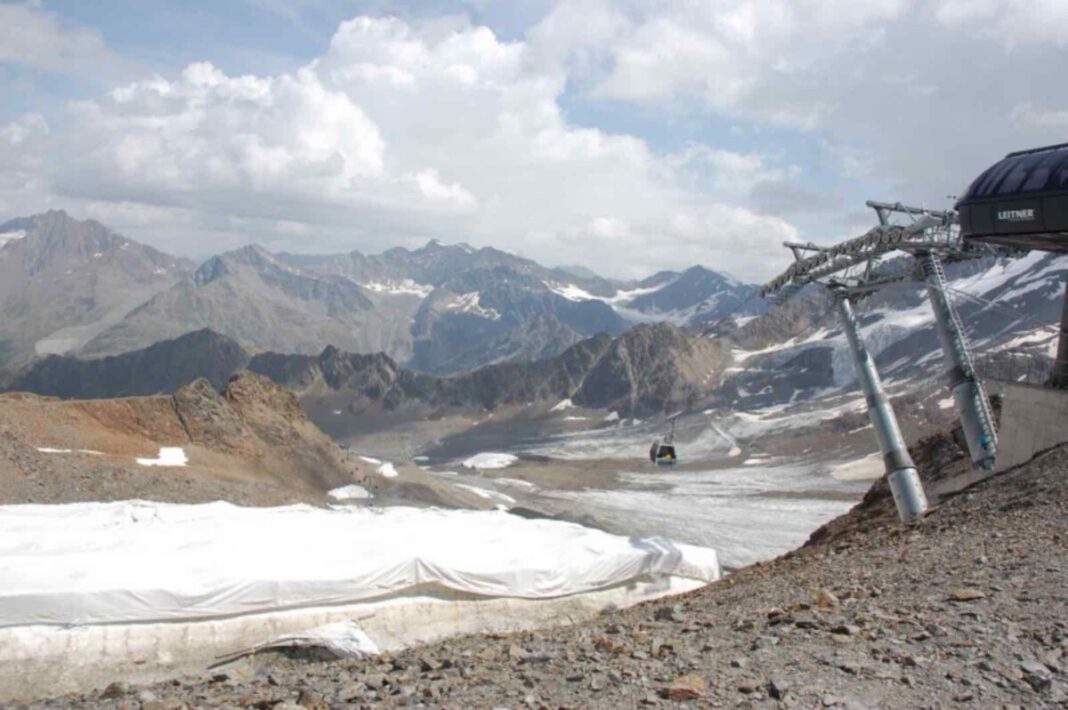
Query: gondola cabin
{"type": "Point", "coordinates": [666, 455]}
{"type": "Point", "coordinates": [663, 454]}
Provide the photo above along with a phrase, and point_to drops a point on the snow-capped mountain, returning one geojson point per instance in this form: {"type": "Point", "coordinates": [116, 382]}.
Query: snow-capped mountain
{"type": "Point", "coordinates": [75, 287]}
{"type": "Point", "coordinates": [696, 296]}
{"type": "Point", "coordinates": [441, 308]}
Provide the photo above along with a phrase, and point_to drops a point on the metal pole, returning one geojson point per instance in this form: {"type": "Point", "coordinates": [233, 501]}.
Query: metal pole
{"type": "Point", "coordinates": [900, 470]}
{"type": "Point", "coordinates": [1060, 367]}
{"type": "Point", "coordinates": [976, 419]}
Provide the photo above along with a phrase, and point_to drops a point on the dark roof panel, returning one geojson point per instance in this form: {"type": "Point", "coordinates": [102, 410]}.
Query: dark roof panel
{"type": "Point", "coordinates": [1028, 171]}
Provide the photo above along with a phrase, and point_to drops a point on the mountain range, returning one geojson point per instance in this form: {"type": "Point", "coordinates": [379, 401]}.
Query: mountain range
{"type": "Point", "coordinates": [75, 287]}
{"type": "Point", "coordinates": [649, 369]}
{"type": "Point", "coordinates": [456, 327]}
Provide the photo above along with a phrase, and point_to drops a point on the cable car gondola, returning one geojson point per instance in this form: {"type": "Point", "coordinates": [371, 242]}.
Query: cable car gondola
{"type": "Point", "coordinates": [663, 454]}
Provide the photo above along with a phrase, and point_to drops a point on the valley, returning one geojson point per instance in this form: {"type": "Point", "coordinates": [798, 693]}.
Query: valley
{"type": "Point", "coordinates": [476, 382]}
{"type": "Point", "coordinates": [763, 399]}
{"type": "Point", "coordinates": [533, 355]}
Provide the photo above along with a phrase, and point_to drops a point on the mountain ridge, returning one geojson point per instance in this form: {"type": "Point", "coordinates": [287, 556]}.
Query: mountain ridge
{"type": "Point", "coordinates": [439, 308]}
{"type": "Point", "coordinates": [651, 368]}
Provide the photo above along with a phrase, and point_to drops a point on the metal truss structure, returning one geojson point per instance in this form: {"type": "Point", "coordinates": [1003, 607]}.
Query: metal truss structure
{"type": "Point", "coordinates": [889, 253]}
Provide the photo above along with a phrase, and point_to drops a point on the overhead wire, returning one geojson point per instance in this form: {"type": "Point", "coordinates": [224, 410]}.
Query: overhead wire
{"type": "Point", "coordinates": [1008, 311]}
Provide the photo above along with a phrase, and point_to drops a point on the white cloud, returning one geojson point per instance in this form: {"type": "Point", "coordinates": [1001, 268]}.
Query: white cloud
{"type": "Point", "coordinates": [748, 58]}
{"type": "Point", "coordinates": [1012, 22]}
{"type": "Point", "coordinates": [1028, 115]}
{"type": "Point", "coordinates": [402, 132]}
{"type": "Point", "coordinates": [204, 130]}
{"type": "Point", "coordinates": [38, 39]}
{"type": "Point", "coordinates": [903, 99]}
{"type": "Point", "coordinates": [24, 128]}
{"type": "Point", "coordinates": [434, 189]}
{"type": "Point", "coordinates": [727, 174]}
{"type": "Point", "coordinates": [23, 180]}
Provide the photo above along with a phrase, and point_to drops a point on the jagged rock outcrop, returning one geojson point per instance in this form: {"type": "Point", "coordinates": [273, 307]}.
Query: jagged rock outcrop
{"type": "Point", "coordinates": [653, 368]}
{"type": "Point", "coordinates": [649, 369]}
{"type": "Point", "coordinates": [367, 378]}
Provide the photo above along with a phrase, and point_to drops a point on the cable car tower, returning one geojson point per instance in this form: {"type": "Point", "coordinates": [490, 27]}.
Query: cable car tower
{"type": "Point", "coordinates": [856, 268]}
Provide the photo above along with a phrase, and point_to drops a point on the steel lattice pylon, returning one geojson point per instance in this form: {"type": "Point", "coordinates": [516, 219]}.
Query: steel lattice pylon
{"type": "Point", "coordinates": [854, 269]}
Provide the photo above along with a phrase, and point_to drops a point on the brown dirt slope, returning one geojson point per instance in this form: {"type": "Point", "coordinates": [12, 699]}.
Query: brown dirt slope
{"type": "Point", "coordinates": [250, 443]}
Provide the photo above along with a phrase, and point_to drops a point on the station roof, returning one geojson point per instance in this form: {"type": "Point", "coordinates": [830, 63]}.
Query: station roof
{"type": "Point", "coordinates": [1022, 200]}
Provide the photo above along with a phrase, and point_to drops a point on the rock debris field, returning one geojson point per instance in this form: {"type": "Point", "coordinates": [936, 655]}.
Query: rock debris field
{"type": "Point", "coordinates": [965, 608]}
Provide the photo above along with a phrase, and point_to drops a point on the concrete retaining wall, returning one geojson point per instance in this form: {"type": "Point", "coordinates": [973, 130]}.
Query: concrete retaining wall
{"type": "Point", "coordinates": [1032, 419]}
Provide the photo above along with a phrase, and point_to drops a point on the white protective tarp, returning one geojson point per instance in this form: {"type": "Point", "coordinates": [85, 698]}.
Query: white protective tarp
{"type": "Point", "coordinates": [93, 563]}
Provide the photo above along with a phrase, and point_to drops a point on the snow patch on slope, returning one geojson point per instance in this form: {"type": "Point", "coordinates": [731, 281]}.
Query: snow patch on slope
{"type": "Point", "coordinates": [50, 450]}
{"type": "Point", "coordinates": [6, 237]}
{"type": "Point", "coordinates": [405, 287]}
{"type": "Point", "coordinates": [470, 303]}
{"type": "Point", "coordinates": [570, 291]}
{"type": "Point", "coordinates": [350, 492]}
{"type": "Point", "coordinates": [168, 456]}
{"type": "Point", "coordinates": [490, 460]}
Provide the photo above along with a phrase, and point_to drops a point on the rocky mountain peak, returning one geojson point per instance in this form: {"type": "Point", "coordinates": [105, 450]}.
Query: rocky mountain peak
{"type": "Point", "coordinates": [55, 237]}
{"type": "Point", "coordinates": [698, 295]}
{"type": "Point", "coordinates": [63, 280]}
{"type": "Point", "coordinates": [652, 368]}
{"type": "Point", "coordinates": [253, 257]}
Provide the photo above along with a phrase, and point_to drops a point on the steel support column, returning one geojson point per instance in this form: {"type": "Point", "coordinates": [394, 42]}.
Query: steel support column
{"type": "Point", "coordinates": [901, 471]}
{"type": "Point", "coordinates": [1060, 367]}
{"type": "Point", "coordinates": [976, 419]}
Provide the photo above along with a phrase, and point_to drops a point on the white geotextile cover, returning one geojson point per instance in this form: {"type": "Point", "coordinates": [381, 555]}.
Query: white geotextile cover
{"type": "Point", "coordinates": [136, 561]}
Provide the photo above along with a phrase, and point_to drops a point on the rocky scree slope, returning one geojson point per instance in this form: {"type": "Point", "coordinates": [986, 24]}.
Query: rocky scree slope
{"type": "Point", "coordinates": [250, 443]}
{"type": "Point", "coordinates": [966, 607]}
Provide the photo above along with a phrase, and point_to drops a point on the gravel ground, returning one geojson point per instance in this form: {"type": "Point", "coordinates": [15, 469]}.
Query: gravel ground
{"type": "Point", "coordinates": [968, 607]}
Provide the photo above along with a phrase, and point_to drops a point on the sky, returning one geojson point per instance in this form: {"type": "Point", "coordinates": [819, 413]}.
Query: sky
{"type": "Point", "coordinates": [623, 136]}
